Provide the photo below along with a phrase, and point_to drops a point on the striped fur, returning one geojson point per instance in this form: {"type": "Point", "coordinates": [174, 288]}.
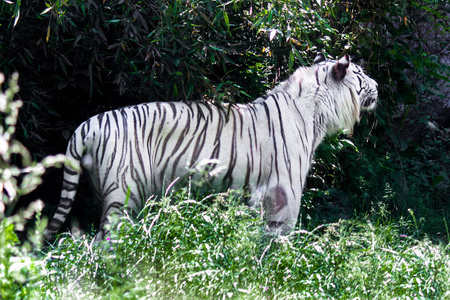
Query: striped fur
{"type": "Point", "coordinates": [266, 146]}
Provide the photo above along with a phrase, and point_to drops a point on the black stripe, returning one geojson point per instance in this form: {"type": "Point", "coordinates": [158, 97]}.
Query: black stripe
{"type": "Point", "coordinates": [241, 120]}
{"type": "Point", "coordinates": [283, 136]}
{"type": "Point", "coordinates": [104, 137]}
{"type": "Point", "coordinates": [200, 142]}
{"type": "Point", "coordinates": [85, 128]}
{"type": "Point", "coordinates": [70, 171]}
{"type": "Point", "coordinates": [228, 177]}
{"type": "Point", "coordinates": [317, 76]}
{"type": "Point", "coordinates": [69, 186]}
{"type": "Point", "coordinates": [168, 137]}
{"type": "Point", "coordinates": [210, 111]}
{"type": "Point", "coordinates": [260, 167]}
{"type": "Point", "coordinates": [55, 224]}
{"type": "Point", "coordinates": [182, 136]}
{"type": "Point", "coordinates": [65, 203]}
{"type": "Point", "coordinates": [251, 162]}
{"type": "Point", "coordinates": [72, 147]}
{"type": "Point", "coordinates": [200, 114]}
{"type": "Point", "coordinates": [247, 173]}
{"type": "Point", "coordinates": [266, 108]}
{"type": "Point", "coordinates": [172, 106]}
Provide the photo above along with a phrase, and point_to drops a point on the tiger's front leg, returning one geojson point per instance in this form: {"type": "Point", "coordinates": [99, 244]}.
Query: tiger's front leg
{"type": "Point", "coordinates": [282, 207]}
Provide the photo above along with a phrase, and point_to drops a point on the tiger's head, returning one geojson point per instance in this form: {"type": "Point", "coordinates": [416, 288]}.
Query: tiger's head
{"type": "Point", "coordinates": [344, 91]}
{"type": "Point", "coordinates": [352, 76]}
{"type": "Point", "coordinates": [332, 92]}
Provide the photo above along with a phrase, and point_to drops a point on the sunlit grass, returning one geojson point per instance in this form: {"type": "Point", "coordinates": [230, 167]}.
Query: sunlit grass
{"type": "Point", "coordinates": [217, 249]}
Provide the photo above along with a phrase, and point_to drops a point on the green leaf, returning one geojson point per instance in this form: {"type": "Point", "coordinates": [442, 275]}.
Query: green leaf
{"type": "Point", "coordinates": [291, 60]}
{"type": "Point", "coordinates": [175, 91]}
{"type": "Point", "coordinates": [348, 144]}
{"type": "Point", "coordinates": [406, 93]}
{"type": "Point", "coordinates": [215, 48]}
{"type": "Point", "coordinates": [46, 10]}
{"type": "Point", "coordinates": [437, 180]}
{"type": "Point", "coordinates": [257, 23]}
{"type": "Point", "coordinates": [272, 34]}
{"type": "Point", "coordinates": [17, 12]}
{"type": "Point", "coordinates": [226, 19]}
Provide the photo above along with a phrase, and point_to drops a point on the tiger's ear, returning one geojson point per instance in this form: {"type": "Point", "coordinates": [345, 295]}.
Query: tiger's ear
{"type": "Point", "coordinates": [319, 58]}
{"type": "Point", "coordinates": [340, 68]}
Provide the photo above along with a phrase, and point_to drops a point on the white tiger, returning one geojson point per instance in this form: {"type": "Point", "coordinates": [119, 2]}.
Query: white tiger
{"type": "Point", "coordinates": [265, 147]}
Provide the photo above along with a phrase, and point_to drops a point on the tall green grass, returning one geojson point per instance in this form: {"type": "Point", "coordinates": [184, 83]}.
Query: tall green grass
{"type": "Point", "coordinates": [183, 248]}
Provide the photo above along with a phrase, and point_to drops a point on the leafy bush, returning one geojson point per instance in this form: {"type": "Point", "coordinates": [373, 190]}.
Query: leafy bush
{"type": "Point", "coordinates": [82, 57]}
{"type": "Point", "coordinates": [19, 175]}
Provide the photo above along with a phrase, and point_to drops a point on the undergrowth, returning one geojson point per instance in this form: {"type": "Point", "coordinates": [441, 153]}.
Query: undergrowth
{"type": "Point", "coordinates": [191, 249]}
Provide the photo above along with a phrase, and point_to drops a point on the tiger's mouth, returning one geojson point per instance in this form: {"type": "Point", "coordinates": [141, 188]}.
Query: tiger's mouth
{"type": "Point", "coordinates": [370, 101]}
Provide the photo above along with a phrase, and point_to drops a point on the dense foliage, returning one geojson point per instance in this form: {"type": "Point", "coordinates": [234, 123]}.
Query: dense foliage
{"type": "Point", "coordinates": [77, 58]}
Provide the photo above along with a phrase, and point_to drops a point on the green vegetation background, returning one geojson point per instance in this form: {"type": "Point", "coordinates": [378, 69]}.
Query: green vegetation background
{"type": "Point", "coordinates": [388, 183]}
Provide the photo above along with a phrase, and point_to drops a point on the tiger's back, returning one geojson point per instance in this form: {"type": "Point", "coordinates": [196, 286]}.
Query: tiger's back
{"type": "Point", "coordinates": [170, 139]}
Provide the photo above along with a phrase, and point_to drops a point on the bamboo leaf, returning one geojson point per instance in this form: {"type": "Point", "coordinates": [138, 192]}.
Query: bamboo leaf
{"type": "Point", "coordinates": [46, 10]}
{"type": "Point", "coordinates": [272, 34]}
{"type": "Point", "coordinates": [291, 60]}
{"type": "Point", "coordinates": [48, 34]}
{"type": "Point", "coordinates": [226, 19]}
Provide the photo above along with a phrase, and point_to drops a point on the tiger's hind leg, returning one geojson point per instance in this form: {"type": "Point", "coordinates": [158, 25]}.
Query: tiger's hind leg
{"type": "Point", "coordinates": [116, 206]}
{"type": "Point", "coordinates": [110, 210]}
